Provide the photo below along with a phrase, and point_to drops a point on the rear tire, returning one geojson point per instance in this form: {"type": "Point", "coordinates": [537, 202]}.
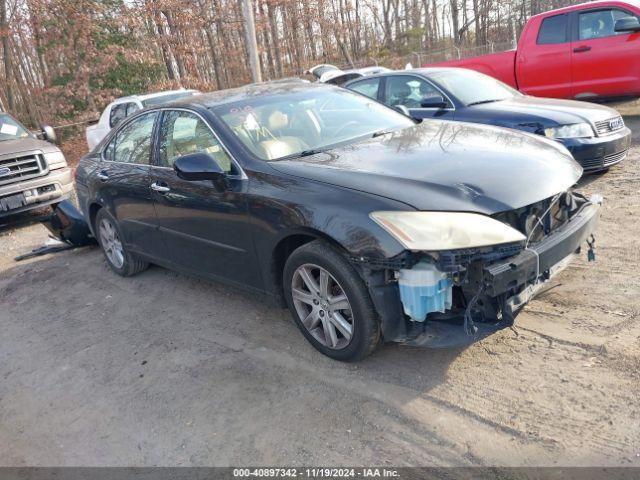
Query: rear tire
{"type": "Point", "coordinates": [109, 237]}
{"type": "Point", "coordinates": [330, 303]}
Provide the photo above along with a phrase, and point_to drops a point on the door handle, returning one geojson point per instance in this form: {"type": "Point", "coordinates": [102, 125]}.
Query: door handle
{"type": "Point", "coordinates": [581, 49]}
{"type": "Point", "coordinates": [159, 188]}
{"type": "Point", "coordinates": [102, 176]}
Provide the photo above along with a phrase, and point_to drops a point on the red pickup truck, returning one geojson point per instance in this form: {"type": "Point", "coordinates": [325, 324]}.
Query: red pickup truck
{"type": "Point", "coordinates": [584, 51]}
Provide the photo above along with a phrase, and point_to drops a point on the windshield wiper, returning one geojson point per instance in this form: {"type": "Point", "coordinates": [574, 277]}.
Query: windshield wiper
{"type": "Point", "coordinates": [380, 133]}
{"type": "Point", "coordinates": [480, 102]}
{"type": "Point", "coordinates": [311, 151]}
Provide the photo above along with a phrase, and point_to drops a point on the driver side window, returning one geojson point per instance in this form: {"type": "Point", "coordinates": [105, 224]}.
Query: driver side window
{"type": "Point", "coordinates": [182, 133]}
{"type": "Point", "coordinates": [367, 87]}
{"type": "Point", "coordinates": [600, 23]}
{"type": "Point", "coordinates": [408, 91]}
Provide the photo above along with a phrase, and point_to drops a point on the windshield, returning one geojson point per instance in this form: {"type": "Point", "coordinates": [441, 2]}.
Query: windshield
{"type": "Point", "coordinates": [472, 88]}
{"type": "Point", "coordinates": [303, 122]}
{"type": "Point", "coordinates": [169, 97]}
{"type": "Point", "coordinates": [10, 129]}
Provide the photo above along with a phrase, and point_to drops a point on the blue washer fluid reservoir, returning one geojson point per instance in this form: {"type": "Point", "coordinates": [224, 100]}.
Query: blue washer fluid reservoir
{"type": "Point", "coordinates": [424, 289]}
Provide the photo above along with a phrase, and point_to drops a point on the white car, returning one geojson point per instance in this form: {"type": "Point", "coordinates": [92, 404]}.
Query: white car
{"type": "Point", "coordinates": [121, 108]}
{"type": "Point", "coordinates": [327, 73]}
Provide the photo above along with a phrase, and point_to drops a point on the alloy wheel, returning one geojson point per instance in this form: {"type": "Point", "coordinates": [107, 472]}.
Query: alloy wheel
{"type": "Point", "coordinates": [111, 243]}
{"type": "Point", "coordinates": [322, 306]}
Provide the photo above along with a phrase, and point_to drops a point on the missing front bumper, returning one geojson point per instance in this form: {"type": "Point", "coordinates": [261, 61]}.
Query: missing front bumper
{"type": "Point", "coordinates": [507, 285]}
{"type": "Point", "coordinates": [505, 276]}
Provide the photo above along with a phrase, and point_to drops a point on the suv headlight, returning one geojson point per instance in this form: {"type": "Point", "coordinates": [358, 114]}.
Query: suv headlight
{"type": "Point", "coordinates": [55, 160]}
{"type": "Point", "coordinates": [433, 231]}
{"type": "Point", "coordinates": [576, 130]}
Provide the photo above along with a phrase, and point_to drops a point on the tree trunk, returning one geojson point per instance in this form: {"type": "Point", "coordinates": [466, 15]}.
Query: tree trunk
{"type": "Point", "coordinates": [4, 34]}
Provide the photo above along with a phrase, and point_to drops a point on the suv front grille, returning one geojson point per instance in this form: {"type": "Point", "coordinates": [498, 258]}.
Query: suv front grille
{"type": "Point", "coordinates": [605, 127]}
{"type": "Point", "coordinates": [23, 167]}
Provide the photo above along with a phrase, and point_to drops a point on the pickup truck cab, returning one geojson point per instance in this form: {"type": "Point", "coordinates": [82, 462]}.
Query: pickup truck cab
{"type": "Point", "coordinates": [121, 108]}
{"type": "Point", "coordinates": [585, 51]}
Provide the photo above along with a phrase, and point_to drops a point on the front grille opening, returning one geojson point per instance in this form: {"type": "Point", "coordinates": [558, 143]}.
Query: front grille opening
{"type": "Point", "coordinates": [20, 168]}
{"type": "Point", "coordinates": [610, 125]}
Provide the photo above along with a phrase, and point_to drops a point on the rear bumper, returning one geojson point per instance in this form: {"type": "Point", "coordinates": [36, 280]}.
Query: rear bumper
{"type": "Point", "coordinates": [598, 153]}
{"type": "Point", "coordinates": [37, 192]}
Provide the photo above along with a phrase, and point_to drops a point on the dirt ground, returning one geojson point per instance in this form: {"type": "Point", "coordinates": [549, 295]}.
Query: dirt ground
{"type": "Point", "coordinates": [162, 369]}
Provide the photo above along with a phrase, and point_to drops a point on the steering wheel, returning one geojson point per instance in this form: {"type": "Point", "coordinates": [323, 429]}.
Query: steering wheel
{"type": "Point", "coordinates": [343, 127]}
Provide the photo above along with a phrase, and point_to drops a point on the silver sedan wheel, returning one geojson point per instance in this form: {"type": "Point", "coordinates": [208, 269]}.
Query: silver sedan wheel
{"type": "Point", "coordinates": [111, 243]}
{"type": "Point", "coordinates": [322, 306]}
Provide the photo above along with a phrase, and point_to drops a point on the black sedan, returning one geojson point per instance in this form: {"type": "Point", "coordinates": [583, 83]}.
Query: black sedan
{"type": "Point", "coordinates": [594, 134]}
{"type": "Point", "coordinates": [367, 225]}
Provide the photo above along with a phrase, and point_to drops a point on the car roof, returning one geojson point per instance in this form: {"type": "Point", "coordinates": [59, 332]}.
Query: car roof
{"type": "Point", "coordinates": [147, 96]}
{"type": "Point", "coordinates": [221, 97]}
{"type": "Point", "coordinates": [365, 71]}
{"type": "Point", "coordinates": [415, 71]}
{"type": "Point", "coordinates": [581, 6]}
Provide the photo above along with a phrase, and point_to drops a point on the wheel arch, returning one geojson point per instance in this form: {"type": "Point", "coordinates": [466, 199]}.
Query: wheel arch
{"type": "Point", "coordinates": [93, 209]}
{"type": "Point", "coordinates": [286, 246]}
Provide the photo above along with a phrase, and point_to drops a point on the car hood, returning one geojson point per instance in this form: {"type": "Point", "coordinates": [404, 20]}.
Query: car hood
{"type": "Point", "coordinates": [446, 166]}
{"type": "Point", "coordinates": [28, 144]}
{"type": "Point", "coordinates": [559, 112]}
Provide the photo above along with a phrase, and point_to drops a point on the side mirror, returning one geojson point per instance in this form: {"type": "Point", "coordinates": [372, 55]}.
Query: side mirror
{"type": "Point", "coordinates": [49, 134]}
{"type": "Point", "coordinates": [627, 24]}
{"type": "Point", "coordinates": [437, 101]}
{"type": "Point", "coordinates": [199, 166]}
{"type": "Point", "coordinates": [402, 109]}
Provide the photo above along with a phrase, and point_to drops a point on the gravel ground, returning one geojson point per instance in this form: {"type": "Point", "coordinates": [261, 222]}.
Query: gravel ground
{"type": "Point", "coordinates": [162, 369]}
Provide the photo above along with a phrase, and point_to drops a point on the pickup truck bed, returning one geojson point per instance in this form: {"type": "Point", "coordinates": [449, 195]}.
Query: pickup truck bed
{"type": "Point", "coordinates": [500, 66]}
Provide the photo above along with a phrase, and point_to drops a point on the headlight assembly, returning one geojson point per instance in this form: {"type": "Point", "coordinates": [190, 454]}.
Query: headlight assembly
{"type": "Point", "coordinates": [433, 231]}
{"type": "Point", "coordinates": [55, 160]}
{"type": "Point", "coordinates": [576, 130]}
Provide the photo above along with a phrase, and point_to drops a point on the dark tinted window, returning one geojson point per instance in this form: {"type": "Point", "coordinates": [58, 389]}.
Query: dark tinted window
{"type": "Point", "coordinates": [118, 113]}
{"type": "Point", "coordinates": [342, 79]}
{"type": "Point", "coordinates": [600, 23]}
{"type": "Point", "coordinates": [133, 141]}
{"type": "Point", "coordinates": [553, 30]}
{"type": "Point", "coordinates": [367, 87]}
{"type": "Point", "coordinates": [132, 108]}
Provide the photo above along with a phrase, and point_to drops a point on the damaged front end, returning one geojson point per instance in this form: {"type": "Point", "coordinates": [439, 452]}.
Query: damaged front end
{"type": "Point", "coordinates": [454, 296]}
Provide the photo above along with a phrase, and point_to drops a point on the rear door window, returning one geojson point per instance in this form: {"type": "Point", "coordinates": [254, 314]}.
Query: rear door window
{"type": "Point", "coordinates": [133, 141]}
{"type": "Point", "coordinates": [367, 87]}
{"type": "Point", "coordinates": [553, 30]}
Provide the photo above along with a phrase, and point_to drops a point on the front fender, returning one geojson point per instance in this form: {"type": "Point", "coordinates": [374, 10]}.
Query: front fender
{"type": "Point", "coordinates": [285, 207]}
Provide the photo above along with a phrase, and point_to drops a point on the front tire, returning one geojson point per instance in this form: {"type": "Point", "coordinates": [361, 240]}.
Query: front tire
{"type": "Point", "coordinates": [109, 236]}
{"type": "Point", "coordinates": [330, 303]}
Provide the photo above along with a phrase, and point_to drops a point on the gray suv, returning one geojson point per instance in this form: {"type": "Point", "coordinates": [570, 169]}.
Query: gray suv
{"type": "Point", "coordinates": [33, 171]}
